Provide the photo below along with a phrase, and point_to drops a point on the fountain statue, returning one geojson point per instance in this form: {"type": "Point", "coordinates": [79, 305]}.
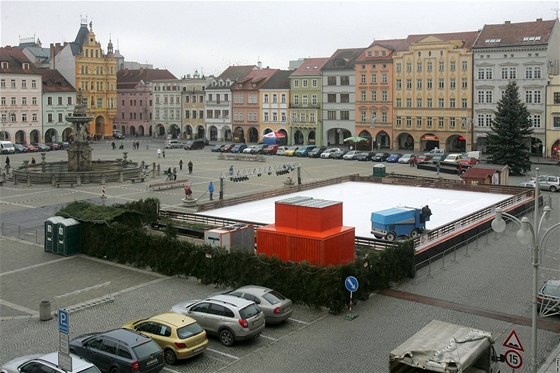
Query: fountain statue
{"type": "Point", "coordinates": [79, 152]}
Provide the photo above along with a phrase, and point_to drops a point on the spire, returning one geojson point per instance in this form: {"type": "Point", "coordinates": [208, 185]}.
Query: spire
{"type": "Point", "coordinates": [91, 26]}
{"type": "Point", "coordinates": [110, 46]}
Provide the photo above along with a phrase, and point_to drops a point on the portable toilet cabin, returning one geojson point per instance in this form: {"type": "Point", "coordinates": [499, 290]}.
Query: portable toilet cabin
{"type": "Point", "coordinates": [51, 229]}
{"type": "Point", "coordinates": [68, 241]}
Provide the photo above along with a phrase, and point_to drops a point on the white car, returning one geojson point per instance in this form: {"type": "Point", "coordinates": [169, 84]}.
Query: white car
{"type": "Point", "coordinates": [453, 158]}
{"type": "Point", "coordinates": [327, 153]}
{"type": "Point", "coordinates": [405, 158]}
{"type": "Point", "coordinates": [281, 150]}
{"type": "Point", "coordinates": [248, 149]}
{"type": "Point", "coordinates": [351, 155]}
{"type": "Point", "coordinates": [173, 144]}
{"type": "Point", "coordinates": [548, 182]}
{"type": "Point", "coordinates": [47, 363]}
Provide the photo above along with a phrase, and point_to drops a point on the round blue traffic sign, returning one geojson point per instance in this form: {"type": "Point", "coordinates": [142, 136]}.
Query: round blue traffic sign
{"type": "Point", "coordinates": [351, 284]}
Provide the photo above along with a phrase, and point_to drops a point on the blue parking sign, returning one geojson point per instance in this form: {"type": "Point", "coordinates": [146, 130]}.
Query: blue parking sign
{"type": "Point", "coordinates": [63, 321]}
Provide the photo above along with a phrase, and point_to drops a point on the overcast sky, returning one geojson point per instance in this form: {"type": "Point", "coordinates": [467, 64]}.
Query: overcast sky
{"type": "Point", "coordinates": [211, 35]}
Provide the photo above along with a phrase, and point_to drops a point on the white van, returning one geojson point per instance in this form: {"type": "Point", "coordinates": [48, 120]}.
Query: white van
{"type": "Point", "coordinates": [7, 147]}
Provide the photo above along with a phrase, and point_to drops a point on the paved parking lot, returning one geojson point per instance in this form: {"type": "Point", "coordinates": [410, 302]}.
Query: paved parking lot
{"type": "Point", "coordinates": [495, 278]}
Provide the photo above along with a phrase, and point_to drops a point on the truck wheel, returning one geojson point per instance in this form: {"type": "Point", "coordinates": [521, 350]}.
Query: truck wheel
{"type": "Point", "coordinates": [378, 236]}
{"type": "Point", "coordinates": [390, 236]}
{"type": "Point", "coordinates": [414, 233]}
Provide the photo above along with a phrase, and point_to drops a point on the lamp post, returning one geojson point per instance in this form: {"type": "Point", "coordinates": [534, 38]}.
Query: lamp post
{"type": "Point", "coordinates": [529, 234]}
{"type": "Point", "coordinates": [372, 126]}
{"type": "Point", "coordinates": [466, 122]}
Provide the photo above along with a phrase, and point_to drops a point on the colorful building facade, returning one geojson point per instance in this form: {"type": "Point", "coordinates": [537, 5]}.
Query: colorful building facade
{"type": "Point", "coordinates": [58, 101]}
{"type": "Point", "coordinates": [275, 104]}
{"type": "Point", "coordinates": [193, 124]}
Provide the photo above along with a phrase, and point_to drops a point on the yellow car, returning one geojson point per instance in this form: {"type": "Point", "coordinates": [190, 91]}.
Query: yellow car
{"type": "Point", "coordinates": [179, 336]}
{"type": "Point", "coordinates": [291, 151]}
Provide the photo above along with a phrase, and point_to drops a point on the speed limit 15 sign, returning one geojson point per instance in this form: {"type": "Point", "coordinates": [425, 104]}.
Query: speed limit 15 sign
{"type": "Point", "coordinates": [514, 359]}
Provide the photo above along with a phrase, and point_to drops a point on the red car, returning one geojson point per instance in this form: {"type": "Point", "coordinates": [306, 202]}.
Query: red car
{"type": "Point", "coordinates": [32, 148]}
{"type": "Point", "coordinates": [271, 149]}
{"type": "Point", "coordinates": [468, 161]}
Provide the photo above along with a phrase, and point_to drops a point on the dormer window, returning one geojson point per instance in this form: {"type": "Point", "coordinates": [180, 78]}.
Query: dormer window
{"type": "Point", "coordinates": [5, 64]}
{"type": "Point", "coordinates": [25, 66]}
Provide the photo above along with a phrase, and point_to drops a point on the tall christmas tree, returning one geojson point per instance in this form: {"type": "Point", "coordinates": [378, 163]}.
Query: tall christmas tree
{"type": "Point", "coordinates": [511, 133]}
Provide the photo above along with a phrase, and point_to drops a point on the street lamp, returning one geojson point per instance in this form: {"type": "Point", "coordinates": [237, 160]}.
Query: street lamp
{"type": "Point", "coordinates": [529, 234]}
{"type": "Point", "coordinates": [372, 126]}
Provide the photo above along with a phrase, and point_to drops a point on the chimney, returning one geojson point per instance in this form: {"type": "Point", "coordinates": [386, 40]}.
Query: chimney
{"type": "Point", "coordinates": [259, 65]}
{"type": "Point", "coordinates": [52, 53]}
{"type": "Point", "coordinates": [539, 19]}
{"type": "Point", "coordinates": [508, 22]}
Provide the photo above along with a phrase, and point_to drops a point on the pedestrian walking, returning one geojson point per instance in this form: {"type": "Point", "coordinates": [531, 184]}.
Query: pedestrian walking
{"type": "Point", "coordinates": [113, 145]}
{"type": "Point", "coordinates": [163, 153]}
{"type": "Point", "coordinates": [169, 174]}
{"type": "Point", "coordinates": [460, 169]}
{"type": "Point", "coordinates": [211, 190]}
{"type": "Point", "coordinates": [180, 164]}
{"type": "Point", "coordinates": [174, 173]}
{"type": "Point", "coordinates": [7, 164]}
{"type": "Point", "coordinates": [159, 153]}
{"type": "Point", "coordinates": [190, 165]}
{"type": "Point", "coordinates": [437, 168]}
{"type": "Point", "coordinates": [231, 170]}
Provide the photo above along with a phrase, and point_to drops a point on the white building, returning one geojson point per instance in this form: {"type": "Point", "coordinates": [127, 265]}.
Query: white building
{"type": "Point", "coordinates": [59, 99]}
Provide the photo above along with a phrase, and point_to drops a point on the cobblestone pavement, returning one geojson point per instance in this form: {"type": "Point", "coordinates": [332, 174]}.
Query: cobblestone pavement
{"type": "Point", "coordinates": [493, 275]}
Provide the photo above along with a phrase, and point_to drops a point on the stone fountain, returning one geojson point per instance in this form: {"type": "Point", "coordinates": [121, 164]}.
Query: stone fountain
{"type": "Point", "coordinates": [80, 168]}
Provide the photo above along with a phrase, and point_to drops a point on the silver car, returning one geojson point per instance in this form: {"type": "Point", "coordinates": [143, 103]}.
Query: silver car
{"type": "Point", "coordinates": [547, 182]}
{"type": "Point", "coordinates": [46, 363]}
{"type": "Point", "coordinates": [275, 306]}
{"type": "Point", "coordinates": [230, 318]}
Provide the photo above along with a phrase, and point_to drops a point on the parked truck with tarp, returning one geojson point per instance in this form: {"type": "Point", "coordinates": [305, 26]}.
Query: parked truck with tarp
{"type": "Point", "coordinates": [446, 348]}
{"type": "Point", "coordinates": [404, 222]}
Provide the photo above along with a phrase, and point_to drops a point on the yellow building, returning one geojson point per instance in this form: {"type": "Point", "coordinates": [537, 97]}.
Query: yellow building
{"type": "Point", "coordinates": [432, 101]}
{"type": "Point", "coordinates": [95, 73]}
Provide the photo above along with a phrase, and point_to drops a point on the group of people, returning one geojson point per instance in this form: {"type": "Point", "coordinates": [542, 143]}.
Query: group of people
{"type": "Point", "coordinates": [114, 146]}
{"type": "Point", "coordinates": [188, 191]}
{"type": "Point", "coordinates": [136, 145]}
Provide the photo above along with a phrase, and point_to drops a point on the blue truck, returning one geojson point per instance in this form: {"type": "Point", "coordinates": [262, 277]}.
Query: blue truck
{"type": "Point", "coordinates": [399, 222]}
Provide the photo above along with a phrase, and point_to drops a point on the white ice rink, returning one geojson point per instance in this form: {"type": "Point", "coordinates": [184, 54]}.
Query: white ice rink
{"type": "Point", "coordinates": [361, 199]}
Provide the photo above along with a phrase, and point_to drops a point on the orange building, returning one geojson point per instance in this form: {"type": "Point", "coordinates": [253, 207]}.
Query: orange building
{"type": "Point", "coordinates": [308, 229]}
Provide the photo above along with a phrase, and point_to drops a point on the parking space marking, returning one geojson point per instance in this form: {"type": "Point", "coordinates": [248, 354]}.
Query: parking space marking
{"type": "Point", "coordinates": [272, 339]}
{"type": "Point", "coordinates": [140, 286]}
{"type": "Point", "coordinates": [170, 370]}
{"type": "Point", "coordinates": [123, 266]}
{"type": "Point", "coordinates": [36, 265]}
{"type": "Point", "coordinates": [31, 312]}
{"type": "Point", "coordinates": [223, 353]}
{"type": "Point", "coordinates": [17, 204]}
{"type": "Point", "coordinates": [299, 321]}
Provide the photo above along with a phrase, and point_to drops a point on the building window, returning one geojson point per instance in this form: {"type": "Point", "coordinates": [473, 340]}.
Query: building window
{"type": "Point", "coordinates": [557, 97]}
{"type": "Point", "coordinates": [33, 84]}
{"type": "Point", "coordinates": [441, 67]}
{"type": "Point", "coordinates": [536, 118]}
{"type": "Point", "coordinates": [283, 98]}
{"type": "Point", "coordinates": [3, 101]}
{"type": "Point", "coordinates": [344, 97]}
{"type": "Point", "coordinates": [384, 78]}
{"type": "Point", "coordinates": [409, 84]}
{"type": "Point", "coordinates": [429, 103]}
{"type": "Point", "coordinates": [464, 83]}
{"type": "Point", "coordinates": [304, 83]}
{"type": "Point", "coordinates": [34, 117]}
{"type": "Point", "coordinates": [408, 67]}
{"type": "Point", "coordinates": [265, 117]}
{"type": "Point", "coordinates": [384, 95]}
{"type": "Point", "coordinates": [60, 101]}
{"type": "Point", "coordinates": [452, 122]}
{"type": "Point", "coordinates": [49, 118]}
{"type": "Point", "coordinates": [418, 83]}
{"type": "Point", "coordinates": [419, 103]}
{"type": "Point", "coordinates": [3, 83]}
{"type": "Point", "coordinates": [314, 83]}
{"type": "Point", "coordinates": [13, 83]}
{"type": "Point", "coordinates": [408, 102]}
{"type": "Point", "coordinates": [331, 98]}
{"type": "Point", "coordinates": [99, 102]}
{"type": "Point", "coordinates": [398, 67]}
{"type": "Point", "coordinates": [363, 116]}
{"type": "Point", "coordinates": [399, 102]}
{"type": "Point", "coordinates": [399, 84]}
{"type": "Point", "coordinates": [24, 117]}
{"type": "Point", "coordinates": [464, 65]}
{"type": "Point", "coordinates": [362, 78]}
{"type": "Point", "coordinates": [429, 67]}
{"type": "Point", "coordinates": [331, 114]}
{"type": "Point", "coordinates": [529, 97]}
{"type": "Point", "coordinates": [429, 122]}
{"type": "Point", "coordinates": [373, 78]}
{"type": "Point", "coordinates": [452, 103]}
{"type": "Point", "coordinates": [60, 118]}
{"type": "Point", "coordinates": [429, 83]}
{"type": "Point", "coordinates": [489, 97]}
{"type": "Point", "coordinates": [311, 117]}
{"type": "Point", "coordinates": [304, 100]}
{"type": "Point", "coordinates": [441, 103]}
{"type": "Point", "coordinates": [418, 122]}
{"type": "Point", "coordinates": [344, 115]}
{"type": "Point", "coordinates": [408, 122]}
{"type": "Point", "coordinates": [452, 66]}
{"type": "Point", "coordinates": [314, 99]}
{"type": "Point", "coordinates": [275, 97]}
{"type": "Point", "coordinates": [331, 80]}
{"type": "Point", "coordinates": [556, 122]}
{"type": "Point", "coordinates": [537, 97]}
{"type": "Point", "coordinates": [452, 83]}
{"type": "Point", "coordinates": [265, 99]}
{"type": "Point", "coordinates": [24, 100]}
{"type": "Point", "coordinates": [344, 80]}
{"type": "Point", "coordinates": [440, 122]}
{"type": "Point", "coordinates": [399, 122]}
{"type": "Point", "coordinates": [49, 101]}
{"type": "Point", "coordinates": [441, 83]}
{"type": "Point", "coordinates": [24, 83]}
{"type": "Point", "coordinates": [296, 83]}
{"type": "Point", "coordinates": [383, 116]}
{"type": "Point", "coordinates": [419, 67]}
{"type": "Point", "coordinates": [463, 103]}
{"type": "Point", "coordinates": [296, 99]}
{"type": "Point", "coordinates": [362, 95]}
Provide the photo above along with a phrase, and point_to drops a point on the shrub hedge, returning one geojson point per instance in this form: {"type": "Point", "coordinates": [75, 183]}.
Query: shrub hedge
{"type": "Point", "coordinates": [107, 235]}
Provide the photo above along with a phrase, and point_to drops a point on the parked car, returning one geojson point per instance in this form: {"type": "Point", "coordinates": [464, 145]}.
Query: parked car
{"type": "Point", "coordinates": [41, 363]}
{"type": "Point", "coordinates": [453, 158]}
{"type": "Point", "coordinates": [406, 158]}
{"type": "Point", "coordinates": [53, 145]}
{"type": "Point", "coordinates": [291, 151]}
{"type": "Point", "coordinates": [217, 148]}
{"type": "Point", "coordinates": [42, 147]}
{"type": "Point", "coordinates": [118, 136]}
{"type": "Point", "coordinates": [178, 335]}
{"type": "Point", "coordinates": [316, 152]}
{"type": "Point", "coordinates": [339, 154]}
{"type": "Point", "coordinates": [32, 148]}
{"type": "Point", "coordinates": [194, 144]}
{"type": "Point", "coordinates": [380, 157]}
{"type": "Point", "coordinates": [238, 148]}
{"type": "Point", "coordinates": [270, 149]}
{"type": "Point", "coordinates": [257, 149]}
{"type": "Point", "coordinates": [303, 151]}
{"type": "Point", "coordinates": [394, 158]}
{"type": "Point", "coordinates": [173, 144]}
{"type": "Point", "coordinates": [547, 182]}
{"type": "Point", "coordinates": [438, 158]}
{"type": "Point", "coordinates": [424, 158]}
{"type": "Point", "coordinates": [275, 306]}
{"type": "Point", "coordinates": [63, 145]}
{"type": "Point", "coordinates": [548, 298]}
{"type": "Point", "coordinates": [7, 147]}
{"type": "Point", "coordinates": [351, 155]}
{"type": "Point", "coordinates": [470, 161]}
{"type": "Point", "coordinates": [364, 156]}
{"type": "Point", "coordinates": [227, 148]}
{"type": "Point", "coordinates": [230, 318]}
{"type": "Point", "coordinates": [527, 184]}
{"type": "Point", "coordinates": [281, 150]}
{"type": "Point", "coordinates": [20, 148]}
{"type": "Point", "coordinates": [248, 150]}
{"type": "Point", "coordinates": [329, 152]}
{"type": "Point", "coordinates": [119, 350]}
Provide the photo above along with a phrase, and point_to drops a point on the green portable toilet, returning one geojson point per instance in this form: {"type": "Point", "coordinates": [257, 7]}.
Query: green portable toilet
{"type": "Point", "coordinates": [379, 170]}
{"type": "Point", "coordinates": [51, 230]}
{"type": "Point", "coordinates": [68, 237]}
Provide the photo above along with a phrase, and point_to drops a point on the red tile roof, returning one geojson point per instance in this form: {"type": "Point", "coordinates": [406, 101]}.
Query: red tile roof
{"type": "Point", "coordinates": [478, 173]}
{"type": "Point", "coordinates": [53, 81]}
{"type": "Point", "coordinates": [127, 79]}
{"type": "Point", "coordinates": [311, 66]}
{"type": "Point", "coordinates": [258, 77]}
{"type": "Point", "coordinates": [343, 59]}
{"type": "Point", "coordinates": [512, 34]}
{"type": "Point", "coordinates": [392, 45]}
{"type": "Point", "coordinates": [16, 58]}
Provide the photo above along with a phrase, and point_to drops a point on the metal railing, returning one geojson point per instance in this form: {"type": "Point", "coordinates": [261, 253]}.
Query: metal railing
{"type": "Point", "coordinates": [30, 234]}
